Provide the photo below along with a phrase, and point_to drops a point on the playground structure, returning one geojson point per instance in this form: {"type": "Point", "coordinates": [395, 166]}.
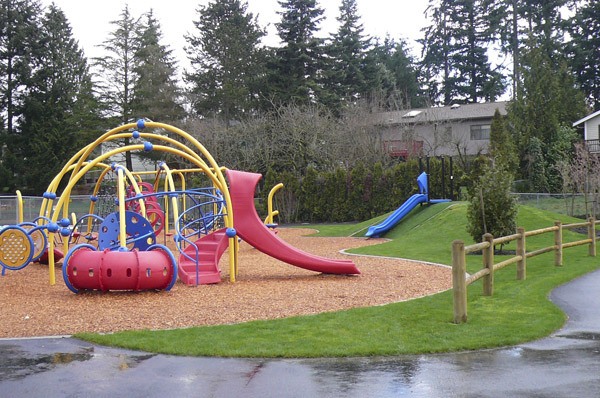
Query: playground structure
{"type": "Point", "coordinates": [121, 250]}
{"type": "Point", "coordinates": [400, 213]}
{"type": "Point", "coordinates": [22, 243]}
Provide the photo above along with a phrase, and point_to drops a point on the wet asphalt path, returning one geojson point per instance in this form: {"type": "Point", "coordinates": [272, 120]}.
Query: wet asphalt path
{"type": "Point", "coordinates": [566, 364]}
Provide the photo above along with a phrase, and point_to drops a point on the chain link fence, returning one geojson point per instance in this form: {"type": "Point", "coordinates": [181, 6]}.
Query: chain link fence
{"type": "Point", "coordinates": [9, 207]}
{"type": "Point", "coordinates": [570, 204]}
{"type": "Point", "coordinates": [574, 205]}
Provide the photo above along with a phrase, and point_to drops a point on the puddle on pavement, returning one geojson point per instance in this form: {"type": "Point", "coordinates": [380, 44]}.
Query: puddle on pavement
{"type": "Point", "coordinates": [582, 336]}
{"type": "Point", "coordinates": [350, 371]}
{"type": "Point", "coordinates": [16, 363]}
{"type": "Point", "coordinates": [131, 361]}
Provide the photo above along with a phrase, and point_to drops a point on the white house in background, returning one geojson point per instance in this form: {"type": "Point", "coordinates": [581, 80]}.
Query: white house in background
{"type": "Point", "coordinates": [90, 178]}
{"type": "Point", "coordinates": [139, 164]}
{"type": "Point", "coordinates": [591, 131]}
{"type": "Point", "coordinates": [438, 131]}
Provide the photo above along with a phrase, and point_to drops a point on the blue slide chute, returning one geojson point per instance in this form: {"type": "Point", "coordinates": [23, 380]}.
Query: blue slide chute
{"type": "Point", "coordinates": [412, 202]}
{"type": "Point", "coordinates": [401, 212]}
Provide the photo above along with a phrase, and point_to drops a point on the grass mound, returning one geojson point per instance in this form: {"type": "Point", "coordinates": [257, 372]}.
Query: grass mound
{"type": "Point", "coordinates": [519, 311]}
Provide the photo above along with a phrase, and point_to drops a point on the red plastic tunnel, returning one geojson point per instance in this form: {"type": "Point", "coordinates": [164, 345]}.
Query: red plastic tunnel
{"type": "Point", "coordinates": [88, 269]}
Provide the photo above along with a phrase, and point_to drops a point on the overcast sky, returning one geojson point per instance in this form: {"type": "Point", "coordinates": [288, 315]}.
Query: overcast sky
{"type": "Point", "coordinates": [90, 20]}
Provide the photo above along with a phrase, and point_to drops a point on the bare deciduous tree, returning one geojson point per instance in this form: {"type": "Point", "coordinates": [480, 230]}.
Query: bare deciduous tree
{"type": "Point", "coordinates": [580, 177]}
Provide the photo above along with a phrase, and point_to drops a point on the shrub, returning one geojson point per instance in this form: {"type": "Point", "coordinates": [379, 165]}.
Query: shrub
{"type": "Point", "coordinates": [492, 209]}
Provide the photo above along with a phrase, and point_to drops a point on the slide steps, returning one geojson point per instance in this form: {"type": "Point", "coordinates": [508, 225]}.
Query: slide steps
{"type": "Point", "coordinates": [210, 248]}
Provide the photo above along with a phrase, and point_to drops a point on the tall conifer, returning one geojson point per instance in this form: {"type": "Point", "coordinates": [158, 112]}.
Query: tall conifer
{"type": "Point", "coordinates": [227, 61]}
{"type": "Point", "coordinates": [297, 65]}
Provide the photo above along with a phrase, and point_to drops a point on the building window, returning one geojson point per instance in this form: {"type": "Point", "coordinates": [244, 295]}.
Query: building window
{"type": "Point", "coordinates": [480, 132]}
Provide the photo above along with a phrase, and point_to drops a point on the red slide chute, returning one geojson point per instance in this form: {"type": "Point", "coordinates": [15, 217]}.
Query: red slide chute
{"type": "Point", "coordinates": [252, 230]}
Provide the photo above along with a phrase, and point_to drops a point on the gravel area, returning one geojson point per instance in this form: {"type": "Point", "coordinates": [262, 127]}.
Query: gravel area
{"type": "Point", "coordinates": [265, 289]}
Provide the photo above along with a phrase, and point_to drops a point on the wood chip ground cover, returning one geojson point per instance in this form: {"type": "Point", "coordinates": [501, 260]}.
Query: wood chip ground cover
{"type": "Point", "coordinates": [265, 289]}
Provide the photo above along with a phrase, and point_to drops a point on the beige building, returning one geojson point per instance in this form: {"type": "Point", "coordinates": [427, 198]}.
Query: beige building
{"type": "Point", "coordinates": [591, 131]}
{"type": "Point", "coordinates": [437, 131]}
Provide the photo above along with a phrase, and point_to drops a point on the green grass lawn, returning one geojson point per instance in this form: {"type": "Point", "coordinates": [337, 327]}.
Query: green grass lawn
{"type": "Point", "coordinates": [518, 311]}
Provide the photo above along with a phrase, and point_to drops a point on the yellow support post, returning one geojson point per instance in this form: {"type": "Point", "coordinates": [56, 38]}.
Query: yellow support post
{"type": "Point", "coordinates": [271, 213]}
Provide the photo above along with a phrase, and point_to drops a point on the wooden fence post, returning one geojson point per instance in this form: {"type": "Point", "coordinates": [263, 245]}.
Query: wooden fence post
{"type": "Point", "coordinates": [488, 262]}
{"type": "Point", "coordinates": [592, 236]}
{"type": "Point", "coordinates": [521, 251]}
{"type": "Point", "coordinates": [459, 284]}
{"type": "Point", "coordinates": [558, 249]}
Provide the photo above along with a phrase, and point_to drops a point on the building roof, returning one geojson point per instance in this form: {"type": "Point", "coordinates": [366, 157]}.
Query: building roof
{"type": "Point", "coordinates": [585, 119]}
{"type": "Point", "coordinates": [444, 113]}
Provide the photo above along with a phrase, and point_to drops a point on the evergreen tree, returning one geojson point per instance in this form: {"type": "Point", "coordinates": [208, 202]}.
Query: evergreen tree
{"type": "Point", "coordinates": [561, 152]}
{"type": "Point", "coordinates": [502, 148]}
{"type": "Point", "coordinates": [544, 23]}
{"type": "Point", "coordinates": [346, 80]}
{"type": "Point", "coordinates": [296, 67]}
{"type": "Point", "coordinates": [503, 17]}
{"type": "Point", "coordinates": [537, 166]}
{"type": "Point", "coordinates": [547, 98]}
{"type": "Point", "coordinates": [117, 78]}
{"type": "Point", "coordinates": [514, 22]}
{"type": "Point", "coordinates": [379, 78]}
{"type": "Point", "coordinates": [455, 53]}
{"type": "Point", "coordinates": [492, 209]}
{"type": "Point", "coordinates": [59, 108]}
{"type": "Point", "coordinates": [584, 50]}
{"type": "Point", "coordinates": [392, 76]}
{"type": "Point", "coordinates": [20, 46]}
{"type": "Point", "coordinates": [436, 54]}
{"type": "Point", "coordinates": [156, 94]}
{"type": "Point", "coordinates": [477, 79]}
{"type": "Point", "coordinates": [226, 59]}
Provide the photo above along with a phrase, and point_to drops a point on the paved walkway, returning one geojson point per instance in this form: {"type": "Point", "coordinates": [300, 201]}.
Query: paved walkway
{"type": "Point", "coordinates": [566, 364]}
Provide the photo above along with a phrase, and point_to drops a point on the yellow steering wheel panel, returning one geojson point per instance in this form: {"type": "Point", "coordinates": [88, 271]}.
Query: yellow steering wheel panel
{"type": "Point", "coordinates": [16, 247]}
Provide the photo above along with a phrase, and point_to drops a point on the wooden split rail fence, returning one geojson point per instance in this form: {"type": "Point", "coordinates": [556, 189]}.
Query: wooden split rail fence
{"type": "Point", "coordinates": [460, 278]}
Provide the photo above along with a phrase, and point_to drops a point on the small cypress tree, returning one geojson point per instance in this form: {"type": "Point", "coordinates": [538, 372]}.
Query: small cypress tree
{"type": "Point", "coordinates": [537, 166]}
{"type": "Point", "coordinates": [502, 146]}
{"type": "Point", "coordinates": [492, 209]}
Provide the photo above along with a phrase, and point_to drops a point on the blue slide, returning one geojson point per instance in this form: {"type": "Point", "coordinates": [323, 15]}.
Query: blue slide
{"type": "Point", "coordinates": [389, 223]}
{"type": "Point", "coordinates": [401, 212]}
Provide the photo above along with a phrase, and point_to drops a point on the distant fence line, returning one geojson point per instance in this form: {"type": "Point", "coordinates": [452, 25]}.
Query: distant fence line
{"type": "Point", "coordinates": [571, 204]}
{"type": "Point", "coordinates": [9, 209]}
{"type": "Point", "coordinates": [460, 278]}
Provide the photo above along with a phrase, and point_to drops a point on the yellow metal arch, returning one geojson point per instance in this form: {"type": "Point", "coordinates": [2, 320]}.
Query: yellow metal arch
{"type": "Point", "coordinates": [78, 165]}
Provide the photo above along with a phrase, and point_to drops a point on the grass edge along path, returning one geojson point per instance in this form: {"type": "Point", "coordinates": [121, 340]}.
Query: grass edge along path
{"type": "Point", "coordinates": [519, 311]}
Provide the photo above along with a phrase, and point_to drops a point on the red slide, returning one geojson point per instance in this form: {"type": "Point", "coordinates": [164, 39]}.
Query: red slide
{"type": "Point", "coordinates": [251, 229]}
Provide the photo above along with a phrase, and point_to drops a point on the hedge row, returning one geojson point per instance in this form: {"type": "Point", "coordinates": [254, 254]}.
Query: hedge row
{"type": "Point", "coordinates": [356, 194]}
